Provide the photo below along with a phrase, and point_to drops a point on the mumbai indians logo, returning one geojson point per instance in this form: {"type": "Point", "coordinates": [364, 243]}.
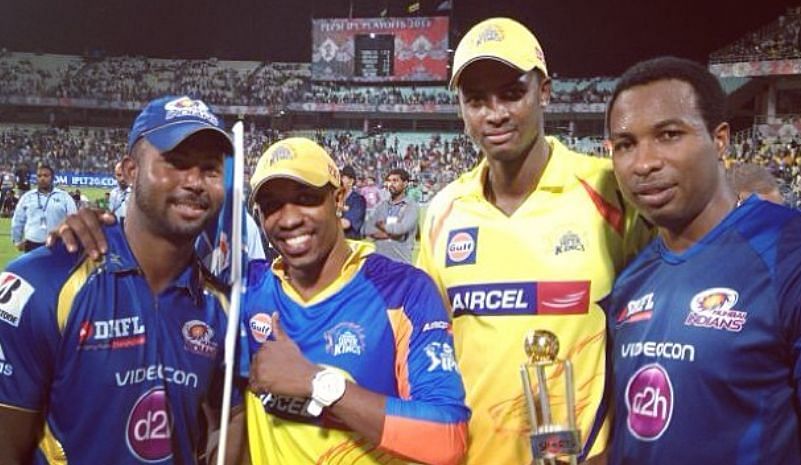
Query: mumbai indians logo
{"type": "Point", "coordinates": [490, 33]}
{"type": "Point", "coordinates": [461, 248]}
{"type": "Point", "coordinates": [199, 338]}
{"type": "Point", "coordinates": [714, 308]}
{"type": "Point", "coordinates": [345, 338]}
{"type": "Point", "coordinates": [185, 106]}
{"type": "Point", "coordinates": [261, 326]}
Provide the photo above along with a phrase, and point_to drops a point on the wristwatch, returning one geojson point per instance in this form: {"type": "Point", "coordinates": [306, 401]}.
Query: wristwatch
{"type": "Point", "coordinates": [328, 386]}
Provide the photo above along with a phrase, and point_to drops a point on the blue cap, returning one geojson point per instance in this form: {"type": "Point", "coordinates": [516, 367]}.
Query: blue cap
{"type": "Point", "coordinates": [167, 121]}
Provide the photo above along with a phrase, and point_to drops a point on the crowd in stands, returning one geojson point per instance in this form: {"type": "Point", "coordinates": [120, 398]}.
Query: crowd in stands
{"type": "Point", "coordinates": [432, 159]}
{"type": "Point", "coordinates": [250, 83]}
{"type": "Point", "coordinates": [778, 40]}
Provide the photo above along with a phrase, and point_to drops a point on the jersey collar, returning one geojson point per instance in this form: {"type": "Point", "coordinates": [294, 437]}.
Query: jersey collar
{"type": "Point", "coordinates": [359, 252]}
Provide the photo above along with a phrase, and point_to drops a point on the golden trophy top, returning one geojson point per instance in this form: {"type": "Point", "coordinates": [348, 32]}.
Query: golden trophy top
{"type": "Point", "coordinates": [541, 346]}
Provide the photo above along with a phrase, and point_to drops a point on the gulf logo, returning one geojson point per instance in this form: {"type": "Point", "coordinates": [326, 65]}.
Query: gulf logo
{"type": "Point", "coordinates": [261, 326]}
{"type": "Point", "coordinates": [461, 247]}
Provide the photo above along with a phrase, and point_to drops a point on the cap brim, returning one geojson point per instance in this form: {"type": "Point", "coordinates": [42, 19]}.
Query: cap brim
{"type": "Point", "coordinates": [309, 179]}
{"type": "Point", "coordinates": [455, 79]}
{"type": "Point", "coordinates": [168, 137]}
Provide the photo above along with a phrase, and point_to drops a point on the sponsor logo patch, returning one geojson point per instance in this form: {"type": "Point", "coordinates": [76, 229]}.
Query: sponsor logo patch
{"type": "Point", "coordinates": [714, 308]}
{"type": "Point", "coordinates": [261, 326]}
{"type": "Point", "coordinates": [345, 338]}
{"type": "Point", "coordinates": [432, 325]}
{"type": "Point", "coordinates": [461, 247]}
{"type": "Point", "coordinates": [199, 338]}
{"type": "Point", "coordinates": [14, 294]}
{"type": "Point", "coordinates": [5, 368]}
{"type": "Point", "coordinates": [185, 106]}
{"type": "Point", "coordinates": [149, 426]}
{"type": "Point", "coordinates": [525, 298]}
{"type": "Point", "coordinates": [440, 354]}
{"type": "Point", "coordinates": [649, 402]}
{"type": "Point", "coordinates": [116, 333]}
{"type": "Point", "coordinates": [637, 310]}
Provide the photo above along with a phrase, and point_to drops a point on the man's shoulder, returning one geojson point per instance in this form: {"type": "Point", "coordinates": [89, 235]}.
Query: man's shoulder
{"type": "Point", "coordinates": [465, 184]}
{"type": "Point", "coordinates": [45, 267]}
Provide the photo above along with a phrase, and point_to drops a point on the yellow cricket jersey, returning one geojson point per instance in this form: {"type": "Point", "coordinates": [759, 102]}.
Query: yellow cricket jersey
{"type": "Point", "coordinates": [544, 267]}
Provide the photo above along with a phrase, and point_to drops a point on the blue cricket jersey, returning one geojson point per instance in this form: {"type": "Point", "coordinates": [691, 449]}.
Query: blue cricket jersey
{"type": "Point", "coordinates": [118, 373]}
{"type": "Point", "coordinates": [707, 346]}
{"type": "Point", "coordinates": [384, 326]}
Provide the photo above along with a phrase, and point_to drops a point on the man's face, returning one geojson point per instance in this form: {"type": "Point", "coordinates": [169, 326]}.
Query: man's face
{"type": "Point", "coordinates": [119, 176]}
{"type": "Point", "coordinates": [502, 108]}
{"type": "Point", "coordinates": [665, 159]}
{"type": "Point", "coordinates": [300, 221]}
{"type": "Point", "coordinates": [396, 185]}
{"type": "Point", "coordinates": [347, 182]}
{"type": "Point", "coordinates": [44, 179]}
{"type": "Point", "coordinates": [180, 191]}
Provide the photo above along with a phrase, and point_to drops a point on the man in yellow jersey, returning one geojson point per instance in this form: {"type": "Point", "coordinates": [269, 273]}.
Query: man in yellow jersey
{"type": "Point", "coordinates": [530, 239]}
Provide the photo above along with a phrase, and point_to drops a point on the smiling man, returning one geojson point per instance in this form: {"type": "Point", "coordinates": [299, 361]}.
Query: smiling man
{"type": "Point", "coordinates": [352, 355]}
{"type": "Point", "coordinates": [532, 238]}
{"type": "Point", "coordinates": [707, 319]}
{"type": "Point", "coordinates": [111, 361]}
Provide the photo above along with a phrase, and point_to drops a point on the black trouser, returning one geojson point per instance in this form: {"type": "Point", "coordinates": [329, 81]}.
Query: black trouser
{"type": "Point", "coordinates": [30, 245]}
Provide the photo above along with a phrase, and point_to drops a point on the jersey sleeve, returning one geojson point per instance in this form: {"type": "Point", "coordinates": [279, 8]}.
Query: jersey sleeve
{"type": "Point", "coordinates": [29, 333]}
{"type": "Point", "coordinates": [788, 279]}
{"type": "Point", "coordinates": [428, 421]}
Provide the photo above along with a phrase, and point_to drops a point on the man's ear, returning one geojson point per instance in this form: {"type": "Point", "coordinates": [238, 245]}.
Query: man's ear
{"type": "Point", "coordinates": [130, 167]}
{"type": "Point", "coordinates": [722, 136]}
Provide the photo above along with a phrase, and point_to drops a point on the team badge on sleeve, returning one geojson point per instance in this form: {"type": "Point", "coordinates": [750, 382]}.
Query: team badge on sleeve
{"type": "Point", "coordinates": [14, 294]}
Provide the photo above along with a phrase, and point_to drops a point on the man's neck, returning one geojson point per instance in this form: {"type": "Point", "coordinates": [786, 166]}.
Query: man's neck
{"type": "Point", "coordinates": [310, 282]}
{"type": "Point", "coordinates": [46, 190]}
{"type": "Point", "coordinates": [680, 238]}
{"type": "Point", "coordinates": [160, 259]}
{"type": "Point", "coordinates": [509, 183]}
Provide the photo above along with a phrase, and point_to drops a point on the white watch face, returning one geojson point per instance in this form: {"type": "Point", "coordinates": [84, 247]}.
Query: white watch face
{"type": "Point", "coordinates": [327, 387]}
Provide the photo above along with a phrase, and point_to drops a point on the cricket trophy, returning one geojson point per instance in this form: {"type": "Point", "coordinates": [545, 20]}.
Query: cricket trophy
{"type": "Point", "coordinates": [551, 443]}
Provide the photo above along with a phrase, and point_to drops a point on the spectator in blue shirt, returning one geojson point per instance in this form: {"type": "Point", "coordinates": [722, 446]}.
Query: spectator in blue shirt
{"type": "Point", "coordinates": [352, 212]}
{"type": "Point", "coordinates": [39, 210]}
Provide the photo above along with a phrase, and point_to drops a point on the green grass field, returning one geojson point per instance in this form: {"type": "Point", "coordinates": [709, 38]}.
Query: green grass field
{"type": "Point", "coordinates": [7, 250]}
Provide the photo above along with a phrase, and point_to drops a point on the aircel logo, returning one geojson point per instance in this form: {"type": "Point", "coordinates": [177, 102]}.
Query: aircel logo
{"type": "Point", "coordinates": [524, 298]}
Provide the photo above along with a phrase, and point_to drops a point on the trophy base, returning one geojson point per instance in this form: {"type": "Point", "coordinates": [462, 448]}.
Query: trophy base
{"type": "Point", "coordinates": [553, 442]}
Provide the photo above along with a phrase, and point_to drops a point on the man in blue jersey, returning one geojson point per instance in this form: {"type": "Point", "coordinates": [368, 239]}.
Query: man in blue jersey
{"type": "Point", "coordinates": [359, 368]}
{"type": "Point", "coordinates": [113, 361]}
{"type": "Point", "coordinates": [707, 319]}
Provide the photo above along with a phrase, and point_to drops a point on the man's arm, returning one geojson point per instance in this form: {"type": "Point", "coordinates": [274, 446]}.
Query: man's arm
{"type": "Point", "coordinates": [83, 228]}
{"type": "Point", "coordinates": [18, 223]}
{"type": "Point", "coordinates": [19, 434]}
{"type": "Point", "coordinates": [355, 213]}
{"type": "Point", "coordinates": [428, 421]}
{"type": "Point", "coordinates": [370, 229]}
{"type": "Point", "coordinates": [406, 223]}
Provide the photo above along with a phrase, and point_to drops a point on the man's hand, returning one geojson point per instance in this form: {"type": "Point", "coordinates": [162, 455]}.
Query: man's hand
{"type": "Point", "coordinates": [280, 368]}
{"type": "Point", "coordinates": [20, 246]}
{"type": "Point", "coordinates": [84, 228]}
{"type": "Point", "coordinates": [380, 225]}
{"type": "Point", "coordinates": [379, 235]}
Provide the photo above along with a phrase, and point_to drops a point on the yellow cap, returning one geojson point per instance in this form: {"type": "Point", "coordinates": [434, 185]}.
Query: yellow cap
{"type": "Point", "coordinates": [296, 158]}
{"type": "Point", "coordinates": [500, 39]}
